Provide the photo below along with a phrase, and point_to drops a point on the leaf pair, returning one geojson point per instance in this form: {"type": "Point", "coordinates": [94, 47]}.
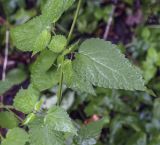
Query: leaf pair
{"type": "Point", "coordinates": [35, 34]}
{"type": "Point", "coordinates": [49, 130]}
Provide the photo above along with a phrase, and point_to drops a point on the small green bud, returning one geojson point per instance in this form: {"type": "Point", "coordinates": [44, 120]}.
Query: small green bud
{"type": "Point", "coordinates": [58, 43]}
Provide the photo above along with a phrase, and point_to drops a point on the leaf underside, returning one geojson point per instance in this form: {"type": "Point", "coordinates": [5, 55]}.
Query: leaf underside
{"type": "Point", "coordinates": [16, 136]}
{"type": "Point", "coordinates": [41, 76]}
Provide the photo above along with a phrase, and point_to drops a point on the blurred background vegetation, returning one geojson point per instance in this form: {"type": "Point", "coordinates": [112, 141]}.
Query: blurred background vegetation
{"type": "Point", "coordinates": [135, 28]}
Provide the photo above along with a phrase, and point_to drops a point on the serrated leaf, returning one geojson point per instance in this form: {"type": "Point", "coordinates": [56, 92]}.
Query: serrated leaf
{"type": "Point", "coordinates": [69, 3]}
{"type": "Point", "coordinates": [26, 99]}
{"type": "Point", "coordinates": [79, 84]}
{"type": "Point", "coordinates": [102, 64]}
{"type": "Point", "coordinates": [41, 77]}
{"type": "Point", "coordinates": [8, 120]}
{"type": "Point", "coordinates": [57, 43]}
{"type": "Point", "coordinates": [33, 35]}
{"type": "Point", "coordinates": [41, 134]}
{"type": "Point", "coordinates": [44, 81]}
{"type": "Point", "coordinates": [44, 61]}
{"type": "Point", "coordinates": [16, 136]}
{"type": "Point", "coordinates": [68, 72]}
{"type": "Point", "coordinates": [89, 134]}
{"type": "Point", "coordinates": [58, 119]}
{"type": "Point", "coordinates": [138, 138]}
{"type": "Point", "coordinates": [42, 40]}
{"type": "Point", "coordinates": [53, 9]}
{"type": "Point", "coordinates": [13, 77]}
{"type": "Point", "coordinates": [74, 81]}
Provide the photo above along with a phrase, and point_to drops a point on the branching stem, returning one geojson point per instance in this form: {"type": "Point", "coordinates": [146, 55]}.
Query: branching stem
{"type": "Point", "coordinates": [59, 93]}
{"type": "Point", "coordinates": [6, 106]}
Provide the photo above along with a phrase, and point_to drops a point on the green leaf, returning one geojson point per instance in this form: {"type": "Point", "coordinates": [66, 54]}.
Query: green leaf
{"type": "Point", "coordinates": [156, 108]}
{"type": "Point", "coordinates": [25, 100]}
{"type": "Point", "coordinates": [33, 35]}
{"type": "Point", "coordinates": [155, 140]}
{"type": "Point", "coordinates": [41, 134]}
{"type": "Point", "coordinates": [42, 40]}
{"type": "Point", "coordinates": [14, 77]}
{"type": "Point", "coordinates": [16, 136]}
{"type": "Point", "coordinates": [58, 43]}
{"type": "Point", "coordinates": [68, 3]}
{"type": "Point", "coordinates": [44, 61]}
{"type": "Point", "coordinates": [89, 134]}
{"type": "Point", "coordinates": [146, 33]}
{"type": "Point", "coordinates": [68, 72]}
{"type": "Point", "coordinates": [102, 64]}
{"type": "Point", "coordinates": [79, 84]}
{"type": "Point", "coordinates": [58, 119]}
{"type": "Point", "coordinates": [149, 65]}
{"type": "Point", "coordinates": [130, 121]}
{"type": "Point", "coordinates": [8, 120]}
{"type": "Point", "coordinates": [42, 76]}
{"type": "Point", "coordinates": [138, 138]}
{"type": "Point", "coordinates": [29, 118]}
{"type": "Point", "coordinates": [44, 81]}
{"type": "Point", "coordinates": [74, 81]}
{"type": "Point", "coordinates": [4, 86]}
{"type": "Point", "coordinates": [118, 131]}
{"type": "Point", "coordinates": [53, 9]}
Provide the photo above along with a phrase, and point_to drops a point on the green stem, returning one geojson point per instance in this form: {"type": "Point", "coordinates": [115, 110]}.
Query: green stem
{"type": "Point", "coordinates": [74, 21]}
{"type": "Point", "coordinates": [9, 107]}
{"type": "Point", "coordinates": [59, 93]}
{"type": "Point", "coordinates": [6, 106]}
{"type": "Point", "coordinates": [20, 119]}
{"type": "Point", "coordinates": [1, 137]}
